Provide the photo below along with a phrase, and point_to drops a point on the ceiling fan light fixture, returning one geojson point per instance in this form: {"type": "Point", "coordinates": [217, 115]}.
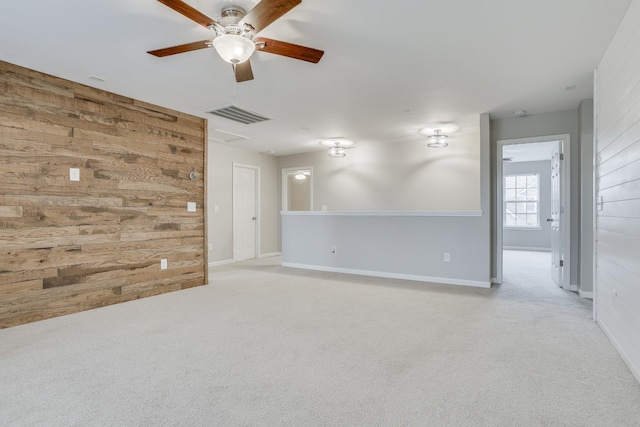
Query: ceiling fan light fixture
{"type": "Point", "coordinates": [233, 48]}
{"type": "Point", "coordinates": [437, 140]}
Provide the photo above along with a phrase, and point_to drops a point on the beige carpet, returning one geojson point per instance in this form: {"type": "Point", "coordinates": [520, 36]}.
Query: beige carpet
{"type": "Point", "coordinates": [270, 346]}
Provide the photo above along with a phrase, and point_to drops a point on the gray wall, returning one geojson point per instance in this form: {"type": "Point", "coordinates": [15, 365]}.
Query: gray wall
{"type": "Point", "coordinates": [396, 176]}
{"type": "Point", "coordinates": [556, 123]}
{"type": "Point", "coordinates": [585, 120]}
{"type": "Point", "coordinates": [220, 191]}
{"type": "Point", "coordinates": [409, 247]}
{"type": "Point", "coordinates": [539, 239]}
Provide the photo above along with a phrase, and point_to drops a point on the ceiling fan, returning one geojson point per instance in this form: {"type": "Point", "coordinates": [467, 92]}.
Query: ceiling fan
{"type": "Point", "coordinates": [234, 33]}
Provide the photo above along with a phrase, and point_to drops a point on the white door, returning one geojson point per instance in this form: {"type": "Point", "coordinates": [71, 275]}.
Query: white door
{"type": "Point", "coordinates": [244, 213]}
{"type": "Point", "coordinates": [557, 217]}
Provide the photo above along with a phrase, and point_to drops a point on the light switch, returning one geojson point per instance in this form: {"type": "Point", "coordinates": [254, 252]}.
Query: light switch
{"type": "Point", "coordinates": [191, 206]}
{"type": "Point", "coordinates": [163, 264]}
{"type": "Point", "coordinates": [74, 174]}
{"type": "Point", "coordinates": [216, 209]}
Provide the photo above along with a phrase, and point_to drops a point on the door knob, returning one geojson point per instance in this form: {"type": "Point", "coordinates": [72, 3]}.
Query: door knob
{"type": "Point", "coordinates": [253, 219]}
{"type": "Point", "coordinates": [549, 219]}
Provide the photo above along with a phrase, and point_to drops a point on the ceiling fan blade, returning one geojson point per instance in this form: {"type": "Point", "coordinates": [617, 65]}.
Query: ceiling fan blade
{"type": "Point", "coordinates": [188, 11]}
{"type": "Point", "coordinates": [243, 71]}
{"type": "Point", "coordinates": [288, 49]}
{"type": "Point", "coordinates": [202, 44]}
{"type": "Point", "coordinates": [267, 11]}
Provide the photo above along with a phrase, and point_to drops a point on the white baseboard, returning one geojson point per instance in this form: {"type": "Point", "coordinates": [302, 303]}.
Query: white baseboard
{"type": "Point", "coordinates": [588, 295]}
{"type": "Point", "coordinates": [444, 280]}
{"type": "Point", "coordinates": [270, 255]}
{"type": "Point", "coordinates": [525, 248]}
{"type": "Point", "coordinates": [634, 369]}
{"type": "Point", "coordinates": [495, 280]}
{"type": "Point", "coordinates": [223, 262]}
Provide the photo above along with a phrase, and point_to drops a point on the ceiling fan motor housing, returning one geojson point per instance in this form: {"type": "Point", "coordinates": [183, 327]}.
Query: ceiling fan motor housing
{"type": "Point", "coordinates": [230, 17]}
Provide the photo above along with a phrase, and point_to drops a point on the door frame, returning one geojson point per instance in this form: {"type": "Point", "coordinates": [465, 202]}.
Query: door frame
{"type": "Point", "coordinates": [233, 208]}
{"type": "Point", "coordinates": [285, 187]}
{"type": "Point", "coordinates": [566, 202]}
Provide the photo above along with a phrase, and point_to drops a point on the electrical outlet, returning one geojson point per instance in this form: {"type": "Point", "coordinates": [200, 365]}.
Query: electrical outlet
{"type": "Point", "coordinates": [447, 257]}
{"type": "Point", "coordinates": [163, 264]}
{"type": "Point", "coordinates": [74, 174]}
{"type": "Point", "coordinates": [324, 208]}
{"type": "Point", "coordinates": [216, 209]}
{"type": "Point", "coordinates": [334, 249]}
{"type": "Point", "coordinates": [191, 206]}
{"type": "Point", "coordinates": [210, 246]}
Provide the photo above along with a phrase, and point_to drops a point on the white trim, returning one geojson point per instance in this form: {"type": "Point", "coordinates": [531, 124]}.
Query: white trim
{"type": "Point", "coordinates": [634, 369]}
{"type": "Point", "coordinates": [594, 221]}
{"type": "Point", "coordinates": [269, 255]}
{"type": "Point", "coordinates": [495, 280]}
{"type": "Point", "coordinates": [285, 186]}
{"type": "Point", "coordinates": [385, 213]}
{"type": "Point", "coordinates": [443, 280]}
{"type": "Point", "coordinates": [525, 248]}
{"type": "Point", "coordinates": [521, 228]}
{"type": "Point", "coordinates": [219, 263]}
{"type": "Point", "coordinates": [258, 205]}
{"type": "Point", "coordinates": [587, 295]}
{"type": "Point", "coordinates": [565, 141]}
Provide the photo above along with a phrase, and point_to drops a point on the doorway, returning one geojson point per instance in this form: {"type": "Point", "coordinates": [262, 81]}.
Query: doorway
{"type": "Point", "coordinates": [533, 202]}
{"type": "Point", "coordinates": [246, 200]}
{"type": "Point", "coordinates": [297, 189]}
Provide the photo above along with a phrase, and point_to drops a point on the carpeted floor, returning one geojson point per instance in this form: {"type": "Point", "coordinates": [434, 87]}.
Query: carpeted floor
{"type": "Point", "coordinates": [270, 346]}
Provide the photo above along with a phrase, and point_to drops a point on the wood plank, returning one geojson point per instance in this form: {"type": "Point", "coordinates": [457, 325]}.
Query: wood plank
{"type": "Point", "coordinates": [620, 153]}
{"type": "Point", "coordinates": [10, 211]}
{"type": "Point", "coordinates": [623, 208]}
{"type": "Point", "coordinates": [629, 226]}
{"type": "Point", "coordinates": [21, 287]}
{"type": "Point", "coordinates": [624, 191]}
{"type": "Point", "coordinates": [627, 173]}
{"type": "Point", "coordinates": [23, 275]}
{"type": "Point", "coordinates": [77, 201]}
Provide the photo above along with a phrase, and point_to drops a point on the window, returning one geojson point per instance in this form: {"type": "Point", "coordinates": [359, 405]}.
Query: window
{"type": "Point", "coordinates": [521, 201]}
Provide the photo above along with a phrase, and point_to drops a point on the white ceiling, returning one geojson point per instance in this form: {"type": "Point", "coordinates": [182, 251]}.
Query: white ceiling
{"type": "Point", "coordinates": [389, 69]}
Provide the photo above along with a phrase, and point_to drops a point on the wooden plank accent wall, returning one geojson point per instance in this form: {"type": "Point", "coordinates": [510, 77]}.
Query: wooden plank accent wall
{"type": "Point", "coordinates": [618, 184]}
{"type": "Point", "coordinates": [68, 246]}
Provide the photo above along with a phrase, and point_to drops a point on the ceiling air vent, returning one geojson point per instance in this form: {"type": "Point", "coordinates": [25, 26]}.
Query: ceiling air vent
{"type": "Point", "coordinates": [238, 114]}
